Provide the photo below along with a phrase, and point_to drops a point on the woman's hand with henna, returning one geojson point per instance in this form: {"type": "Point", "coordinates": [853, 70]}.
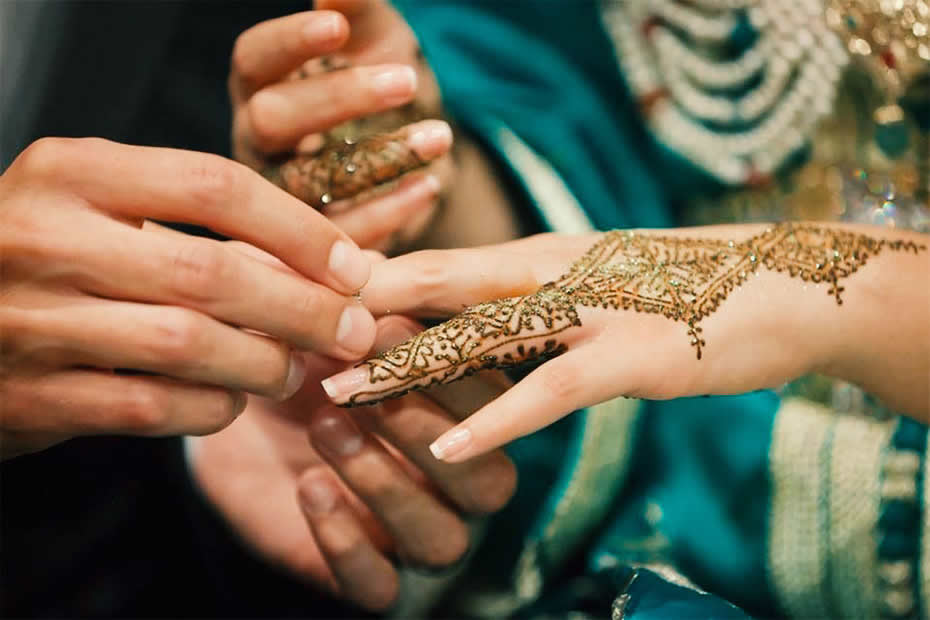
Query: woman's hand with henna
{"type": "Point", "coordinates": [88, 291]}
{"type": "Point", "coordinates": [658, 315]}
{"type": "Point", "coordinates": [321, 101]}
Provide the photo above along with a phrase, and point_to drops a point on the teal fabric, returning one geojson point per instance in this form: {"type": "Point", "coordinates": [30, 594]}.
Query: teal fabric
{"type": "Point", "coordinates": [546, 70]}
{"type": "Point", "coordinates": [704, 463]}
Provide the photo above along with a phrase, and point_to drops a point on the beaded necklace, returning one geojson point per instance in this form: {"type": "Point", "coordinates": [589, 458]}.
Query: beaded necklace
{"type": "Point", "coordinates": [740, 86]}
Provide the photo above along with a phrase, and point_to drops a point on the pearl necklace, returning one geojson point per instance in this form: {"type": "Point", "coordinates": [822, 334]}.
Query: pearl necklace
{"type": "Point", "coordinates": [739, 119]}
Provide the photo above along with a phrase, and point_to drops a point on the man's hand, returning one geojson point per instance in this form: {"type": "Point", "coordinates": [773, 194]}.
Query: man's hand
{"type": "Point", "coordinates": [310, 90]}
{"type": "Point", "coordinates": [87, 292]}
{"type": "Point", "coordinates": [369, 489]}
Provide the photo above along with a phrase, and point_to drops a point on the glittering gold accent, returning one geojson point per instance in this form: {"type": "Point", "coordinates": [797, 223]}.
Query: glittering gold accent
{"type": "Point", "coordinates": [683, 279]}
{"type": "Point", "coordinates": [345, 168]}
{"type": "Point", "coordinates": [890, 37]}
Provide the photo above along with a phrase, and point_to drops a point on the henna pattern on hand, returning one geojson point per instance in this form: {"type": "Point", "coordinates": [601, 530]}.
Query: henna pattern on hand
{"type": "Point", "coordinates": [683, 279]}
{"type": "Point", "coordinates": [345, 168]}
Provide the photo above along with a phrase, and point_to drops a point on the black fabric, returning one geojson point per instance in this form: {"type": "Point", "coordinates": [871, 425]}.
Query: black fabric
{"type": "Point", "coordinates": [112, 527]}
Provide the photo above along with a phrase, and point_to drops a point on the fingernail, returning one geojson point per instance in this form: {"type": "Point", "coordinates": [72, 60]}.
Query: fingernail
{"type": "Point", "coordinates": [451, 443]}
{"type": "Point", "coordinates": [348, 264]}
{"type": "Point", "coordinates": [321, 28]}
{"type": "Point", "coordinates": [430, 139]}
{"type": "Point", "coordinates": [296, 375]}
{"type": "Point", "coordinates": [336, 435]}
{"type": "Point", "coordinates": [395, 85]}
{"type": "Point", "coordinates": [339, 386]}
{"type": "Point", "coordinates": [317, 497]}
{"type": "Point", "coordinates": [356, 329]}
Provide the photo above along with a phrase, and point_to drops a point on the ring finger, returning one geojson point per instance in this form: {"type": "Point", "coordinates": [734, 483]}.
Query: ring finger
{"type": "Point", "coordinates": [165, 340]}
{"type": "Point", "coordinates": [207, 276]}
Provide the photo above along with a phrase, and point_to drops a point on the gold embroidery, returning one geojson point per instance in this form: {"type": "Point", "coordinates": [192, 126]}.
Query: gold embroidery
{"type": "Point", "coordinates": [683, 279]}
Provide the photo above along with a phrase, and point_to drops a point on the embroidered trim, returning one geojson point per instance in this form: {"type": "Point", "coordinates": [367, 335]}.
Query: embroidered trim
{"type": "Point", "coordinates": [825, 470]}
{"type": "Point", "coordinates": [902, 499]}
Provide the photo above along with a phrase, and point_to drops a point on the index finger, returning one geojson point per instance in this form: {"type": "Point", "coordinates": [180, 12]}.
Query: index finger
{"type": "Point", "coordinates": [214, 192]}
{"type": "Point", "coordinates": [440, 283]}
{"type": "Point", "coordinates": [268, 52]}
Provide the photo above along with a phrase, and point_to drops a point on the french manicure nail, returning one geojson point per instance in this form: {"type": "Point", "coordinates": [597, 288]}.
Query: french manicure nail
{"type": "Point", "coordinates": [356, 329]}
{"type": "Point", "coordinates": [321, 28]}
{"type": "Point", "coordinates": [296, 375]}
{"type": "Point", "coordinates": [349, 265]}
{"type": "Point", "coordinates": [318, 497]}
{"type": "Point", "coordinates": [336, 435]}
{"type": "Point", "coordinates": [451, 443]}
{"type": "Point", "coordinates": [430, 139]}
{"type": "Point", "coordinates": [395, 85]}
{"type": "Point", "coordinates": [342, 385]}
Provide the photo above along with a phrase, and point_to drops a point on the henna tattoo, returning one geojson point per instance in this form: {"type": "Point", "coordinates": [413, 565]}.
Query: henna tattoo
{"type": "Point", "coordinates": [345, 168]}
{"type": "Point", "coordinates": [383, 122]}
{"type": "Point", "coordinates": [683, 279]}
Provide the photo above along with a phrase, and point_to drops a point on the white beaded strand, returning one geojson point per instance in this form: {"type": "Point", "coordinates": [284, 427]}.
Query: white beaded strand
{"type": "Point", "coordinates": [669, 53]}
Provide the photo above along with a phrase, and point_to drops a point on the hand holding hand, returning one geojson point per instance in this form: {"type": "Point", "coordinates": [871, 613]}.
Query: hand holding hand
{"type": "Point", "coordinates": [89, 292]}
{"type": "Point", "coordinates": [310, 90]}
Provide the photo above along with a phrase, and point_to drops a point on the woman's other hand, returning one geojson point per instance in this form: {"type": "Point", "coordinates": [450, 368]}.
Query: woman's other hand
{"type": "Point", "coordinates": [330, 104]}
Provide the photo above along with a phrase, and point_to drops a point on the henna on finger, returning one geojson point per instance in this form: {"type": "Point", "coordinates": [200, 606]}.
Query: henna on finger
{"type": "Point", "coordinates": [682, 279]}
{"type": "Point", "coordinates": [343, 170]}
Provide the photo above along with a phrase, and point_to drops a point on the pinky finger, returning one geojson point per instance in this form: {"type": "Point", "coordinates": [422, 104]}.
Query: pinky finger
{"type": "Point", "coordinates": [549, 393]}
{"type": "Point", "coordinates": [362, 573]}
{"type": "Point", "coordinates": [89, 402]}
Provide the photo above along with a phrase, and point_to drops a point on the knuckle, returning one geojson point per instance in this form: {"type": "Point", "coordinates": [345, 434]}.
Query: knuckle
{"type": "Point", "coordinates": [197, 268]}
{"type": "Point", "coordinates": [45, 156]}
{"type": "Point", "coordinates": [560, 381]}
{"type": "Point", "coordinates": [264, 121]}
{"type": "Point", "coordinates": [432, 275]}
{"type": "Point", "coordinates": [176, 339]}
{"type": "Point", "coordinates": [243, 61]}
{"type": "Point", "coordinates": [375, 480]}
{"type": "Point", "coordinates": [214, 181]}
{"type": "Point", "coordinates": [143, 410]}
{"type": "Point", "coordinates": [309, 302]}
